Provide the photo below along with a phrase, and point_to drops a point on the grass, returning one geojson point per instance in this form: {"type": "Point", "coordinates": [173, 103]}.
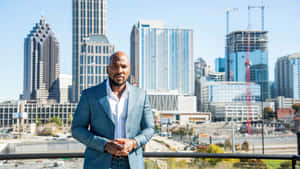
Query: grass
{"type": "Point", "coordinates": [274, 164]}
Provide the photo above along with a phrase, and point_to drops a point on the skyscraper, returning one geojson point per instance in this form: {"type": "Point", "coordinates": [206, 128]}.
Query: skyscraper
{"type": "Point", "coordinates": [287, 76]}
{"type": "Point", "coordinates": [220, 64]}
{"type": "Point", "coordinates": [162, 57]}
{"type": "Point", "coordinates": [41, 64]}
{"type": "Point", "coordinates": [94, 57]}
{"type": "Point", "coordinates": [201, 68]}
{"type": "Point", "coordinates": [237, 45]}
{"type": "Point", "coordinates": [89, 19]}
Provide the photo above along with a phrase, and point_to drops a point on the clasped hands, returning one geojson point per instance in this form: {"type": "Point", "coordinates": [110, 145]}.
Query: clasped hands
{"type": "Point", "coordinates": [120, 146]}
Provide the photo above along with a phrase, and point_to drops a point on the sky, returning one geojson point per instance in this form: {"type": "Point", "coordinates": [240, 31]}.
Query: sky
{"type": "Point", "coordinates": [206, 18]}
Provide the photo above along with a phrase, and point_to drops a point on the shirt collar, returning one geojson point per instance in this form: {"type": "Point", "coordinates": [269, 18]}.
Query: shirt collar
{"type": "Point", "coordinates": [110, 92]}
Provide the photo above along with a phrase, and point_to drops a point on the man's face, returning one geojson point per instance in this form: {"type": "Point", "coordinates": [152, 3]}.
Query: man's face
{"type": "Point", "coordinates": [118, 70]}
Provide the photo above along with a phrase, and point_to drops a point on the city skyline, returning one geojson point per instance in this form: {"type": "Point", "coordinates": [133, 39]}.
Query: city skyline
{"type": "Point", "coordinates": [205, 18]}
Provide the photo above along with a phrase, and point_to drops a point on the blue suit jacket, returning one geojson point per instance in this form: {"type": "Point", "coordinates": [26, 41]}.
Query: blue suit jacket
{"type": "Point", "coordinates": [93, 125]}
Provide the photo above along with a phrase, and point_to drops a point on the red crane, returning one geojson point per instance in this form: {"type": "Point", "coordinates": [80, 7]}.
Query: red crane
{"type": "Point", "coordinates": [247, 63]}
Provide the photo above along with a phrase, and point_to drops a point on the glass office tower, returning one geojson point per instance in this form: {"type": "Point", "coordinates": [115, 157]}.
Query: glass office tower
{"type": "Point", "coordinates": [237, 48]}
{"type": "Point", "coordinates": [162, 57]}
{"type": "Point", "coordinates": [41, 64]}
{"type": "Point", "coordinates": [89, 18]}
{"type": "Point", "coordinates": [287, 76]}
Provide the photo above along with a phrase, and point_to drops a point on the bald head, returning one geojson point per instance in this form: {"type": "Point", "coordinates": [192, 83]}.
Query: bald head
{"type": "Point", "coordinates": [117, 55]}
{"type": "Point", "coordinates": [118, 69]}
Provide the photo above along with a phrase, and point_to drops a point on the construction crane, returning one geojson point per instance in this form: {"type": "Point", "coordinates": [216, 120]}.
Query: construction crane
{"type": "Point", "coordinates": [247, 63]}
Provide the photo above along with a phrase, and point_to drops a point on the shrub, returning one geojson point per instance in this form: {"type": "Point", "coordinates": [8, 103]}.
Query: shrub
{"type": "Point", "coordinates": [202, 149]}
{"type": "Point", "coordinates": [245, 146]}
{"type": "Point", "coordinates": [251, 164]}
{"type": "Point", "coordinates": [38, 122]}
{"type": "Point", "coordinates": [286, 164]}
{"type": "Point", "coordinates": [227, 144]}
{"type": "Point", "coordinates": [150, 164]}
{"type": "Point", "coordinates": [176, 164]}
{"type": "Point", "coordinates": [56, 120]}
{"type": "Point", "coordinates": [214, 149]}
{"type": "Point", "coordinates": [220, 144]}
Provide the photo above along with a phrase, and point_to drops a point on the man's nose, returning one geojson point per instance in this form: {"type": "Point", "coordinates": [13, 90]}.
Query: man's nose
{"type": "Point", "coordinates": [119, 69]}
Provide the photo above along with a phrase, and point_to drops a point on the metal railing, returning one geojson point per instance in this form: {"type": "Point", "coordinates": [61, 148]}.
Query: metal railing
{"type": "Point", "coordinates": [293, 158]}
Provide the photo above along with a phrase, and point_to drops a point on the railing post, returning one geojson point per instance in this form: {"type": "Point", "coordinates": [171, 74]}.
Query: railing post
{"type": "Point", "coordinates": [298, 142]}
{"type": "Point", "coordinates": [294, 162]}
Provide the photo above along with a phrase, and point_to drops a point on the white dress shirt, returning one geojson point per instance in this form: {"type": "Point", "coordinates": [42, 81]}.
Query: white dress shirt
{"type": "Point", "coordinates": [119, 108]}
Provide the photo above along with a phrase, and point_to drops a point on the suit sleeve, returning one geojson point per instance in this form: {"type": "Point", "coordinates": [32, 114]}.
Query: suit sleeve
{"type": "Point", "coordinates": [147, 124]}
{"type": "Point", "coordinates": [80, 125]}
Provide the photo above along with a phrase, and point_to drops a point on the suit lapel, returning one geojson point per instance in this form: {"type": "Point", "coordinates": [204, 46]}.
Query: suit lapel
{"type": "Point", "coordinates": [103, 101]}
{"type": "Point", "coordinates": [131, 104]}
{"type": "Point", "coordinates": [105, 104]}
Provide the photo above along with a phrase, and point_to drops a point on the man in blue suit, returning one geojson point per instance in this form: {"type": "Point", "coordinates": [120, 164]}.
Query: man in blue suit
{"type": "Point", "coordinates": [114, 120]}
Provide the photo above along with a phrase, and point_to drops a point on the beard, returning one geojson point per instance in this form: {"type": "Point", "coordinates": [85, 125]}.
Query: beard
{"type": "Point", "coordinates": [112, 82]}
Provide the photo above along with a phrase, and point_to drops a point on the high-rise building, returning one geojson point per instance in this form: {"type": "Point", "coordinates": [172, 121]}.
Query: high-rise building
{"type": "Point", "coordinates": [220, 64]}
{"type": "Point", "coordinates": [41, 64]}
{"type": "Point", "coordinates": [65, 88]}
{"type": "Point", "coordinates": [227, 100]}
{"type": "Point", "coordinates": [216, 76]}
{"type": "Point", "coordinates": [237, 50]}
{"type": "Point", "coordinates": [89, 18]}
{"type": "Point", "coordinates": [162, 57]}
{"type": "Point", "coordinates": [201, 67]}
{"type": "Point", "coordinates": [94, 57]}
{"type": "Point", "coordinates": [287, 76]}
{"type": "Point", "coordinates": [227, 92]}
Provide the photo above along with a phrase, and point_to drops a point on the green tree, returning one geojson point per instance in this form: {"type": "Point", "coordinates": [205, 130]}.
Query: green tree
{"type": "Point", "coordinates": [182, 132]}
{"type": "Point", "coordinates": [227, 144]}
{"type": "Point", "coordinates": [214, 149]}
{"type": "Point", "coordinates": [56, 120]}
{"type": "Point", "coordinates": [38, 122]}
{"type": "Point", "coordinates": [191, 131]}
{"type": "Point", "coordinates": [296, 107]}
{"type": "Point", "coordinates": [269, 113]}
{"type": "Point", "coordinates": [70, 119]}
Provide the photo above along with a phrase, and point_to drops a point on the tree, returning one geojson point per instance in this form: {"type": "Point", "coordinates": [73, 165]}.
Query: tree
{"type": "Point", "coordinates": [191, 131]}
{"type": "Point", "coordinates": [182, 131]}
{"type": "Point", "coordinates": [227, 144]}
{"type": "Point", "coordinates": [269, 113]}
{"type": "Point", "coordinates": [214, 149]}
{"type": "Point", "coordinates": [245, 146]}
{"type": "Point", "coordinates": [296, 107]}
{"type": "Point", "coordinates": [70, 119]}
{"type": "Point", "coordinates": [56, 120]}
{"type": "Point", "coordinates": [38, 122]}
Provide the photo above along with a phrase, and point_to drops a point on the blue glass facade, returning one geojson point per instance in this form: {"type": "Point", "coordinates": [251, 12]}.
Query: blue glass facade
{"type": "Point", "coordinates": [220, 64]}
{"type": "Point", "coordinates": [228, 92]}
{"type": "Point", "coordinates": [296, 77]}
{"type": "Point", "coordinates": [237, 51]}
{"type": "Point", "coordinates": [232, 92]}
{"type": "Point", "coordinates": [287, 76]}
{"type": "Point", "coordinates": [161, 58]}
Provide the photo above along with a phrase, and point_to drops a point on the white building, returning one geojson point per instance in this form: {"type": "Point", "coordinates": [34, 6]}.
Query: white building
{"type": "Point", "coordinates": [173, 106]}
{"type": "Point", "coordinates": [65, 88]}
{"type": "Point", "coordinates": [10, 113]}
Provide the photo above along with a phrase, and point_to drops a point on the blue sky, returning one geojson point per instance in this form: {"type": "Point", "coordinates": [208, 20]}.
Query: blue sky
{"type": "Point", "coordinates": [206, 18]}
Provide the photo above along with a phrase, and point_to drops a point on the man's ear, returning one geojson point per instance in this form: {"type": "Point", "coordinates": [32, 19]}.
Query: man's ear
{"type": "Point", "coordinates": [107, 69]}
